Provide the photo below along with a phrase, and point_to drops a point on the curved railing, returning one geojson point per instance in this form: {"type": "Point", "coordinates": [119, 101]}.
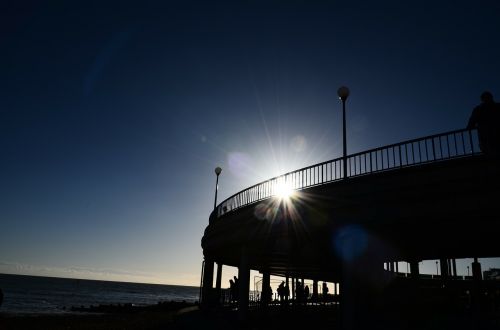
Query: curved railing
{"type": "Point", "coordinates": [429, 149]}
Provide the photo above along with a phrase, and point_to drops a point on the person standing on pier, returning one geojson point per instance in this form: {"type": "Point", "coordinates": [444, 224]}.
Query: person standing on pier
{"type": "Point", "coordinates": [325, 292]}
{"type": "Point", "coordinates": [486, 118]}
{"type": "Point", "coordinates": [287, 293]}
{"type": "Point", "coordinates": [232, 291]}
{"type": "Point", "coordinates": [236, 289]}
{"type": "Point", "coordinates": [281, 293]}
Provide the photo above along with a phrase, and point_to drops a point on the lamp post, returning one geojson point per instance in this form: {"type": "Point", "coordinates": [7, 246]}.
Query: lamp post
{"type": "Point", "coordinates": [437, 270]}
{"type": "Point", "coordinates": [218, 170]}
{"type": "Point", "coordinates": [343, 93]}
{"type": "Point", "coordinates": [468, 274]}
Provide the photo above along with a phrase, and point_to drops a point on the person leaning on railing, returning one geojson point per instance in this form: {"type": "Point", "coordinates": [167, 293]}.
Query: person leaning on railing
{"type": "Point", "coordinates": [486, 118]}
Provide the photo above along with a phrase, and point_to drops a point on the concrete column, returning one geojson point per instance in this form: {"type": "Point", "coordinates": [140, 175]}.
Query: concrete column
{"type": "Point", "coordinates": [244, 284]}
{"type": "Point", "coordinates": [415, 273]}
{"type": "Point", "coordinates": [218, 282]}
{"type": "Point", "coordinates": [315, 290]}
{"type": "Point", "coordinates": [266, 283]}
{"type": "Point", "coordinates": [208, 282]}
{"type": "Point", "coordinates": [396, 266]}
{"type": "Point", "coordinates": [360, 283]}
{"type": "Point", "coordinates": [293, 290]}
{"type": "Point", "coordinates": [444, 269]}
{"type": "Point", "coordinates": [477, 277]}
{"type": "Point", "coordinates": [454, 263]}
{"type": "Point", "coordinates": [476, 271]}
{"type": "Point", "coordinates": [288, 285]}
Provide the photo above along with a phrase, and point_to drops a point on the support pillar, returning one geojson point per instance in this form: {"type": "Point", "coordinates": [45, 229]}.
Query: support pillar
{"type": "Point", "coordinates": [315, 291]}
{"type": "Point", "coordinates": [396, 264]}
{"type": "Point", "coordinates": [477, 277]}
{"type": "Point", "coordinates": [265, 296]}
{"type": "Point", "coordinates": [360, 291]}
{"type": "Point", "coordinates": [414, 271]}
{"type": "Point", "coordinates": [218, 282]}
{"type": "Point", "coordinates": [288, 286]}
{"type": "Point", "coordinates": [454, 263]}
{"type": "Point", "coordinates": [244, 285]}
{"type": "Point", "coordinates": [208, 282]}
{"type": "Point", "coordinates": [293, 290]}
{"type": "Point", "coordinates": [443, 263]}
{"type": "Point", "coordinates": [476, 271]}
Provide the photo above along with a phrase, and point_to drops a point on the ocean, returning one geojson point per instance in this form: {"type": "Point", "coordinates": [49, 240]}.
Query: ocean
{"type": "Point", "coordinates": [33, 294]}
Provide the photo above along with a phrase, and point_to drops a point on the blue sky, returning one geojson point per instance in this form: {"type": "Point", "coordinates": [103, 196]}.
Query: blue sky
{"type": "Point", "coordinates": [113, 116]}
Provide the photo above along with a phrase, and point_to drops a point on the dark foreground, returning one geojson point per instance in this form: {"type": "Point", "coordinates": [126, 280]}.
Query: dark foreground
{"type": "Point", "coordinates": [312, 317]}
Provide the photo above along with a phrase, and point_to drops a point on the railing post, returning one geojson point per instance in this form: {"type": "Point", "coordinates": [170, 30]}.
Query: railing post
{"type": "Point", "coordinates": [433, 150]}
{"type": "Point", "coordinates": [471, 142]}
{"type": "Point", "coordinates": [371, 164]}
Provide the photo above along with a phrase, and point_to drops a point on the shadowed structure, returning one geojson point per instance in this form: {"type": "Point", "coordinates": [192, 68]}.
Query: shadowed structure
{"type": "Point", "coordinates": [429, 198]}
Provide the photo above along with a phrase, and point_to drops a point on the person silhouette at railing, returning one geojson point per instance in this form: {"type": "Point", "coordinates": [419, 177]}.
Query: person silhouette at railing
{"type": "Point", "coordinates": [325, 292]}
{"type": "Point", "coordinates": [236, 289]}
{"type": "Point", "coordinates": [486, 118]}
{"type": "Point", "coordinates": [232, 291]}
{"type": "Point", "coordinates": [281, 293]}
{"type": "Point", "coordinates": [299, 293]}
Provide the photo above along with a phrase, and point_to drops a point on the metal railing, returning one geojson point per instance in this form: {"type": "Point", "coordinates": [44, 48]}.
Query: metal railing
{"type": "Point", "coordinates": [429, 149]}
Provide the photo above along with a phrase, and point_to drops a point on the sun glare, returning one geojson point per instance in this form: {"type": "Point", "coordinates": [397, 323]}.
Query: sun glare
{"type": "Point", "coordinates": [284, 191]}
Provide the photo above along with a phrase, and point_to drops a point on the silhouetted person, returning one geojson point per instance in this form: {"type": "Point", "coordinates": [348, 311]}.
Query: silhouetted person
{"type": "Point", "coordinates": [287, 293]}
{"type": "Point", "coordinates": [306, 293]}
{"type": "Point", "coordinates": [299, 292]}
{"type": "Point", "coordinates": [236, 288]}
{"type": "Point", "coordinates": [281, 292]}
{"type": "Point", "coordinates": [232, 291]}
{"type": "Point", "coordinates": [325, 292]}
{"type": "Point", "coordinates": [486, 118]}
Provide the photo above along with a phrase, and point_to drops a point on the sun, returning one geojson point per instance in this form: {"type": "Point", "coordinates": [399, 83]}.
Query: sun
{"type": "Point", "coordinates": [284, 191]}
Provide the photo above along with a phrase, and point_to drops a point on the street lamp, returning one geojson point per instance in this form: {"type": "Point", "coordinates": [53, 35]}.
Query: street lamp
{"type": "Point", "coordinates": [437, 271]}
{"type": "Point", "coordinates": [218, 170]}
{"type": "Point", "coordinates": [468, 271]}
{"type": "Point", "coordinates": [343, 93]}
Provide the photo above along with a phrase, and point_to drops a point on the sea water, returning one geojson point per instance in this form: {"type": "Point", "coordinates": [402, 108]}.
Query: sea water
{"type": "Point", "coordinates": [33, 294]}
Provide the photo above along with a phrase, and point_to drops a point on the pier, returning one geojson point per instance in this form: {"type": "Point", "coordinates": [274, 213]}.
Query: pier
{"type": "Point", "coordinates": [349, 221]}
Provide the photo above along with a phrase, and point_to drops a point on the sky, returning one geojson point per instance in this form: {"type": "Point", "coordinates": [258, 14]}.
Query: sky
{"type": "Point", "coordinates": [114, 114]}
